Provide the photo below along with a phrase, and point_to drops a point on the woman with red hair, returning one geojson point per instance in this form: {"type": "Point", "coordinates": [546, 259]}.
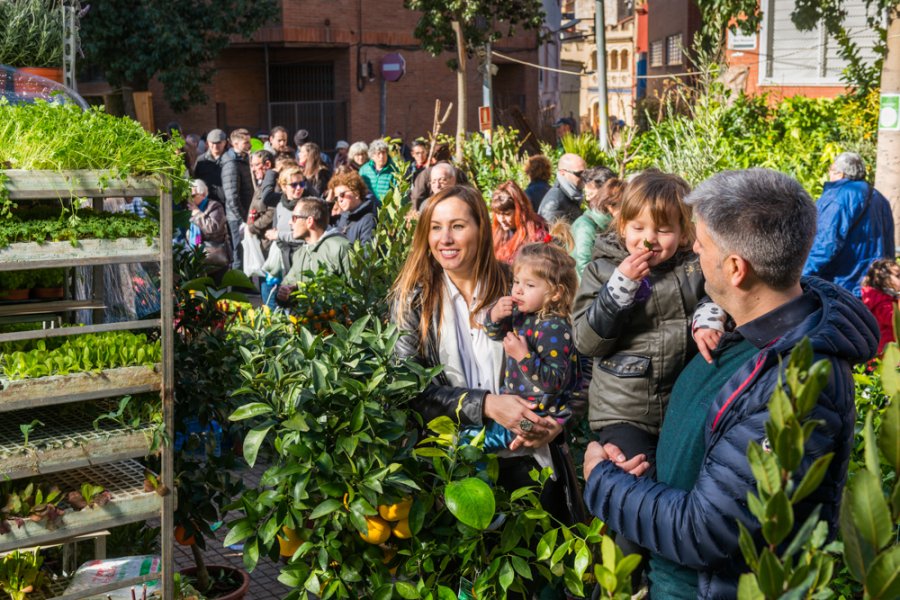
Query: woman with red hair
{"type": "Point", "coordinates": [514, 221]}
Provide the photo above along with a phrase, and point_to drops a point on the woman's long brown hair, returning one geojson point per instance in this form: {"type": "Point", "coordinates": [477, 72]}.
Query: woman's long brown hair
{"type": "Point", "coordinates": [421, 269]}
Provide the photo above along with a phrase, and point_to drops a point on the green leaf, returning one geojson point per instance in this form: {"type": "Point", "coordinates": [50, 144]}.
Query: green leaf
{"type": "Point", "coordinates": [805, 534]}
{"type": "Point", "coordinates": [858, 553]}
{"type": "Point", "coordinates": [324, 508]}
{"type": "Point", "coordinates": [764, 468]}
{"type": "Point", "coordinates": [890, 375]}
{"type": "Point", "coordinates": [748, 548]}
{"type": "Point", "coordinates": [582, 560]}
{"type": "Point", "coordinates": [506, 575]}
{"type": "Point", "coordinates": [248, 411]}
{"type": "Point", "coordinates": [812, 479]}
{"type": "Point", "coordinates": [883, 578]}
{"type": "Point", "coordinates": [445, 593]}
{"type": "Point", "coordinates": [471, 501]}
{"type": "Point", "coordinates": [547, 544]}
{"type": "Point", "coordinates": [889, 433]}
{"type": "Point", "coordinates": [608, 552]}
{"type": "Point", "coordinates": [606, 578]}
{"type": "Point", "coordinates": [627, 565]}
{"type": "Point", "coordinates": [442, 425]}
{"type": "Point", "coordinates": [252, 442]}
{"type": "Point", "coordinates": [239, 531]}
{"type": "Point", "coordinates": [779, 519]}
{"type": "Point", "coordinates": [237, 279]}
{"type": "Point", "coordinates": [521, 567]}
{"type": "Point", "coordinates": [771, 574]}
{"type": "Point", "coordinates": [748, 588]}
{"type": "Point", "coordinates": [869, 508]}
{"type": "Point", "coordinates": [406, 590]}
{"type": "Point", "coordinates": [871, 447]}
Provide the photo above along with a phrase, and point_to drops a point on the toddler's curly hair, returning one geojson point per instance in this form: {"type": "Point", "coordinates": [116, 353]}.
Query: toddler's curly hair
{"type": "Point", "coordinates": [552, 264]}
{"type": "Point", "coordinates": [879, 275]}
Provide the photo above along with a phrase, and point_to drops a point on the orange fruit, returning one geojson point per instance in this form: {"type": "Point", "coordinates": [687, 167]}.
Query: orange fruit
{"type": "Point", "coordinates": [395, 512]}
{"type": "Point", "coordinates": [401, 530]}
{"type": "Point", "coordinates": [378, 531]}
{"type": "Point", "coordinates": [181, 537]}
{"type": "Point", "coordinates": [289, 543]}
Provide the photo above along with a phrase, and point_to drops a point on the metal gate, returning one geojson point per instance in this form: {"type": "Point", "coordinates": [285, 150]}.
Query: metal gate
{"type": "Point", "coordinates": [302, 96]}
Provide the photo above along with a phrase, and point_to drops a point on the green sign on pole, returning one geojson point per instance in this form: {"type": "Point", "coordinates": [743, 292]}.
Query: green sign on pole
{"type": "Point", "coordinates": [889, 117]}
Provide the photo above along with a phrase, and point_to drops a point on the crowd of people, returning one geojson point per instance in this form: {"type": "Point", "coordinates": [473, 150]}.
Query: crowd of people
{"type": "Point", "coordinates": [670, 309]}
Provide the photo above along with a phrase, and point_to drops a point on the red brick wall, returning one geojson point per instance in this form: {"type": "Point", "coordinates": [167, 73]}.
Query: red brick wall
{"type": "Point", "coordinates": [318, 30]}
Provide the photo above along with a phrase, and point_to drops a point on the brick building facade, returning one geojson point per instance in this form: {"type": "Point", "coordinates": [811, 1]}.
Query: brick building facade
{"type": "Point", "coordinates": [310, 71]}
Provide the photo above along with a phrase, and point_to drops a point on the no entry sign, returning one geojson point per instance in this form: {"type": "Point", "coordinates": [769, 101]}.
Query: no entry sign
{"type": "Point", "coordinates": [393, 66]}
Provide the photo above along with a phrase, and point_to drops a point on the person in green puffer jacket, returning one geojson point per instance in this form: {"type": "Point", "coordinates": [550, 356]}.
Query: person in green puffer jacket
{"type": "Point", "coordinates": [603, 191]}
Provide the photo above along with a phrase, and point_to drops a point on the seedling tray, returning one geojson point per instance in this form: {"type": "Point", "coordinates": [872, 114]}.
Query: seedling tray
{"type": "Point", "coordinates": [59, 389]}
{"type": "Point", "coordinates": [128, 503]}
{"type": "Point", "coordinates": [65, 441]}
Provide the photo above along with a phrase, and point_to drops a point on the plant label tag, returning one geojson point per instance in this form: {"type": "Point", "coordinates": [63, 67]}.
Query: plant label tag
{"type": "Point", "coordinates": [465, 589]}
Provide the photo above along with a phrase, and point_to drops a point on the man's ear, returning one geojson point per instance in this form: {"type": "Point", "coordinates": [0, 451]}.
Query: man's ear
{"type": "Point", "coordinates": [736, 270]}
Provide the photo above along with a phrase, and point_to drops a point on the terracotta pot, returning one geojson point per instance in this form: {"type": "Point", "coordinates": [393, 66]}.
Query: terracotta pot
{"type": "Point", "coordinates": [26, 86]}
{"type": "Point", "coordinates": [45, 72]}
{"type": "Point", "coordinates": [14, 295]}
{"type": "Point", "coordinates": [237, 594]}
{"type": "Point", "coordinates": [41, 293]}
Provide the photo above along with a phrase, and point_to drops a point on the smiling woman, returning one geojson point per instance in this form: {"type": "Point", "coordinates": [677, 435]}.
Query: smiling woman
{"type": "Point", "coordinates": [440, 298]}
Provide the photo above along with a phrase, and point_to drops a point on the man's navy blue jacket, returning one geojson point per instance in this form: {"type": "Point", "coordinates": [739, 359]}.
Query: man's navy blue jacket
{"type": "Point", "coordinates": [698, 528]}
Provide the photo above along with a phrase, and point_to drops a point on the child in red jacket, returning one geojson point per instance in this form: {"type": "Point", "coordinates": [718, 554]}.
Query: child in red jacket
{"type": "Point", "coordinates": [880, 292]}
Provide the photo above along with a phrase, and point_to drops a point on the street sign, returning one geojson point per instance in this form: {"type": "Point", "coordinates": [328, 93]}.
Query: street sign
{"type": "Point", "coordinates": [393, 67]}
{"type": "Point", "coordinates": [484, 118]}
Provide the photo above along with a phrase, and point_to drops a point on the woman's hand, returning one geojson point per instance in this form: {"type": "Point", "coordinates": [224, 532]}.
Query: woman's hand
{"type": "Point", "coordinates": [502, 309]}
{"type": "Point", "coordinates": [554, 428]}
{"type": "Point", "coordinates": [511, 411]}
{"type": "Point", "coordinates": [636, 266]}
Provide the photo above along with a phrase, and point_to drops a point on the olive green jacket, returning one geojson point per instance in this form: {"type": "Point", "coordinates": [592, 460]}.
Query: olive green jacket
{"type": "Point", "coordinates": [332, 250]}
{"type": "Point", "coordinates": [638, 350]}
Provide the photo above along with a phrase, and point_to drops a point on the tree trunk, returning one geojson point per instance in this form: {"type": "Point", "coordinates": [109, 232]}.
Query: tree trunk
{"type": "Point", "coordinates": [887, 166]}
{"type": "Point", "coordinates": [460, 91]}
{"type": "Point", "coordinates": [202, 572]}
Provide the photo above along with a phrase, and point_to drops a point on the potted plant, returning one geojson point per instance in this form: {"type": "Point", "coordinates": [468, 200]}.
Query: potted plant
{"type": "Point", "coordinates": [48, 284]}
{"type": "Point", "coordinates": [14, 285]}
{"type": "Point", "coordinates": [20, 574]}
{"type": "Point", "coordinates": [32, 34]}
{"type": "Point", "coordinates": [206, 357]}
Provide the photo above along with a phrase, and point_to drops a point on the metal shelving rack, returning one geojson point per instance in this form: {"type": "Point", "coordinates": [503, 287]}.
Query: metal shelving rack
{"type": "Point", "coordinates": [70, 453]}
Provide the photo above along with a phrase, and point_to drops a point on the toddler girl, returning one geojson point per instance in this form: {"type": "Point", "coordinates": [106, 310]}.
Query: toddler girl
{"type": "Point", "coordinates": [880, 292]}
{"type": "Point", "coordinates": [634, 312]}
{"type": "Point", "coordinates": [534, 325]}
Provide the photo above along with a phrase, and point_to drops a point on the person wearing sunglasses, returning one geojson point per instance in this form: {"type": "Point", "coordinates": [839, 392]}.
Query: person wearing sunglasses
{"type": "Point", "coordinates": [563, 200]}
{"type": "Point", "coordinates": [356, 206]}
{"type": "Point", "coordinates": [322, 247]}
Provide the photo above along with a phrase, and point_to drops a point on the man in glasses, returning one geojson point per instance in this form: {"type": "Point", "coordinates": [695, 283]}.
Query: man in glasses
{"type": "Point", "coordinates": [328, 249]}
{"type": "Point", "coordinates": [563, 200]}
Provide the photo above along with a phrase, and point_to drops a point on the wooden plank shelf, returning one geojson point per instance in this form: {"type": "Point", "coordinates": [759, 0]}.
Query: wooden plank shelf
{"type": "Point", "coordinates": [45, 308]}
{"type": "Point", "coordinates": [32, 255]}
{"type": "Point", "coordinates": [129, 503]}
{"type": "Point", "coordinates": [67, 440]}
{"type": "Point", "coordinates": [37, 334]}
{"type": "Point", "coordinates": [34, 185]}
{"type": "Point", "coordinates": [61, 389]}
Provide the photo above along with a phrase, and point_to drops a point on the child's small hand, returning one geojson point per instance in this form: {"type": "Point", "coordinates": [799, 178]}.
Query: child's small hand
{"type": "Point", "coordinates": [707, 340]}
{"type": "Point", "coordinates": [515, 345]}
{"type": "Point", "coordinates": [502, 309]}
{"type": "Point", "coordinates": [636, 266]}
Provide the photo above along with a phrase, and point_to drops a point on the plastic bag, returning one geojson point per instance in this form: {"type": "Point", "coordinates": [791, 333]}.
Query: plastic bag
{"type": "Point", "coordinates": [96, 573]}
{"type": "Point", "coordinates": [274, 265]}
{"type": "Point", "coordinates": [253, 256]}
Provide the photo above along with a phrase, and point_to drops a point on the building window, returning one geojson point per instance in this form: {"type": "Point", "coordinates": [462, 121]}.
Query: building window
{"type": "Point", "coordinates": [614, 60]}
{"type": "Point", "coordinates": [624, 65]}
{"type": "Point", "coordinates": [656, 53]}
{"type": "Point", "coordinates": [673, 49]}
